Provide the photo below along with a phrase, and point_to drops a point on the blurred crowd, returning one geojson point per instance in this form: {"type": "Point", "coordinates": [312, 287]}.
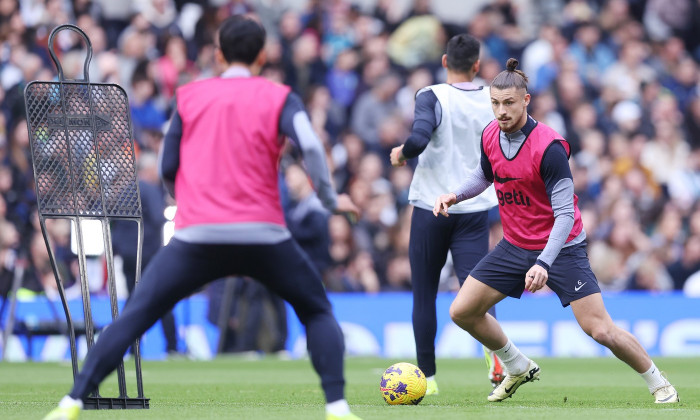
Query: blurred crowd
{"type": "Point", "coordinates": [617, 78]}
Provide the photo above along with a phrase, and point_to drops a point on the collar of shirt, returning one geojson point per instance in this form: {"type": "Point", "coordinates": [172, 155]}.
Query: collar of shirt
{"type": "Point", "coordinates": [466, 85]}
{"type": "Point", "coordinates": [523, 132]}
{"type": "Point", "coordinates": [236, 71]}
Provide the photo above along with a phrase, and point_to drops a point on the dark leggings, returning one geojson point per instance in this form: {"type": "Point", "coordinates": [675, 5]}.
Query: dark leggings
{"type": "Point", "coordinates": [180, 268]}
{"type": "Point", "coordinates": [168, 320]}
{"type": "Point", "coordinates": [467, 236]}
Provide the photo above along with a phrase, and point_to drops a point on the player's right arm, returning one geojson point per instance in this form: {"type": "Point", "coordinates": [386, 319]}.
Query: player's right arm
{"type": "Point", "coordinates": [477, 181]}
{"type": "Point", "coordinates": [295, 124]}
{"type": "Point", "coordinates": [427, 117]}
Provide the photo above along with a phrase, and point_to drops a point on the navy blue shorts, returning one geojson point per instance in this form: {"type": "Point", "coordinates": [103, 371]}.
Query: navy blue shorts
{"type": "Point", "coordinates": [570, 277]}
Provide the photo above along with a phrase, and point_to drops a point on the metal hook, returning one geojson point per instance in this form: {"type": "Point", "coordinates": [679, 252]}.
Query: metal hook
{"type": "Point", "coordinates": [86, 77]}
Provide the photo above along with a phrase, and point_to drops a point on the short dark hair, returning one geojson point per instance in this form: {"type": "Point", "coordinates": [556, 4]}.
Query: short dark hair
{"type": "Point", "coordinates": [241, 39]}
{"type": "Point", "coordinates": [510, 77]}
{"type": "Point", "coordinates": [462, 52]}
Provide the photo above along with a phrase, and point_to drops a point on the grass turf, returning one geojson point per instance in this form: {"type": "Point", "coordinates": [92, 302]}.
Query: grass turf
{"type": "Point", "coordinates": [237, 388]}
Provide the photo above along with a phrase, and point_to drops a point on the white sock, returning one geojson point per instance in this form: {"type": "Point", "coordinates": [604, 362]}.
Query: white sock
{"type": "Point", "coordinates": [430, 378]}
{"type": "Point", "coordinates": [67, 402]}
{"type": "Point", "coordinates": [514, 362]}
{"type": "Point", "coordinates": [653, 378]}
{"type": "Point", "coordinates": [338, 408]}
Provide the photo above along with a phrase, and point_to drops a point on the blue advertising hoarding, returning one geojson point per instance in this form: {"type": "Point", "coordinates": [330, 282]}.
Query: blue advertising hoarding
{"type": "Point", "coordinates": [380, 325]}
{"type": "Point", "coordinates": [666, 324]}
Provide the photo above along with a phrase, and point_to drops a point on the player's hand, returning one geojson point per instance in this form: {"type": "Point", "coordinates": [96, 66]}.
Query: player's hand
{"type": "Point", "coordinates": [345, 205]}
{"type": "Point", "coordinates": [536, 278]}
{"type": "Point", "coordinates": [443, 202]}
{"type": "Point", "coordinates": [396, 156]}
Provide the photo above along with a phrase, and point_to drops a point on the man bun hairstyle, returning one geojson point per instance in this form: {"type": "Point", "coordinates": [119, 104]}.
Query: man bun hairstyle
{"type": "Point", "coordinates": [462, 52]}
{"type": "Point", "coordinates": [241, 39]}
{"type": "Point", "coordinates": [510, 77]}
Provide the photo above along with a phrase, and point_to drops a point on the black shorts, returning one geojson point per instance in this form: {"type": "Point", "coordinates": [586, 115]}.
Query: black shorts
{"type": "Point", "coordinates": [570, 277]}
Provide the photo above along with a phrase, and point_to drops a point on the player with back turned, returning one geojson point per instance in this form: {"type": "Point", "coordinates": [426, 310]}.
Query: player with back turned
{"type": "Point", "coordinates": [449, 118]}
{"type": "Point", "coordinates": [544, 240]}
{"type": "Point", "coordinates": [220, 159]}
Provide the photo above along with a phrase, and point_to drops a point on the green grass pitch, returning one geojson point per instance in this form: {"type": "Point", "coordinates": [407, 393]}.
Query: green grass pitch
{"type": "Point", "coordinates": [237, 388]}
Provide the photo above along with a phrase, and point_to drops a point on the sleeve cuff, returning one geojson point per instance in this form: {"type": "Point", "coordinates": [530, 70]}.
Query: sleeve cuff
{"type": "Point", "coordinates": [542, 264]}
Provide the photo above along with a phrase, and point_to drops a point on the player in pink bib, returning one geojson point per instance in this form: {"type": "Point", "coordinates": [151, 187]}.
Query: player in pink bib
{"type": "Point", "coordinates": [220, 161]}
{"type": "Point", "coordinates": [544, 240]}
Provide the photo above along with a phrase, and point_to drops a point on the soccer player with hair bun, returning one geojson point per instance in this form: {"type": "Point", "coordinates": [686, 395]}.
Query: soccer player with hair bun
{"type": "Point", "coordinates": [544, 240]}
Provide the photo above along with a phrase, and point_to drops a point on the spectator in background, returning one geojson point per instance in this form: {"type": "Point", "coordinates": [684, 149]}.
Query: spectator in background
{"type": "Point", "coordinates": [484, 27]}
{"type": "Point", "coordinates": [388, 13]}
{"type": "Point", "coordinates": [686, 264]}
{"type": "Point", "coordinates": [584, 119]}
{"type": "Point", "coordinates": [665, 152]}
{"type": "Point", "coordinates": [307, 219]}
{"type": "Point", "coordinates": [391, 133]}
{"type": "Point", "coordinates": [352, 270]}
{"type": "Point", "coordinates": [373, 107]}
{"type": "Point", "coordinates": [630, 71]}
{"type": "Point", "coordinates": [667, 238]}
{"type": "Point", "coordinates": [305, 67]}
{"type": "Point", "coordinates": [651, 276]}
{"type": "Point", "coordinates": [257, 320]}
{"type": "Point", "coordinates": [569, 92]}
{"type": "Point", "coordinates": [406, 96]}
{"type": "Point", "coordinates": [9, 244]}
{"type": "Point", "coordinates": [417, 40]}
{"type": "Point", "coordinates": [614, 14]}
{"type": "Point", "coordinates": [161, 16]}
{"type": "Point", "coordinates": [549, 71]}
{"type": "Point", "coordinates": [682, 81]}
{"type": "Point", "coordinates": [20, 198]}
{"type": "Point", "coordinates": [174, 68]}
{"type": "Point", "coordinates": [545, 109]}
{"type": "Point", "coordinates": [38, 276]}
{"type": "Point", "coordinates": [327, 117]}
{"type": "Point", "coordinates": [222, 293]}
{"type": "Point", "coordinates": [361, 275]}
{"type": "Point", "coordinates": [398, 271]}
{"type": "Point", "coordinates": [592, 157]}
{"type": "Point", "coordinates": [684, 183]}
{"type": "Point", "coordinates": [337, 38]}
{"type": "Point", "coordinates": [115, 18]}
{"type": "Point", "coordinates": [146, 113]}
{"type": "Point", "coordinates": [375, 61]}
{"type": "Point", "coordinates": [662, 18]}
{"type": "Point", "coordinates": [540, 51]}
{"type": "Point", "coordinates": [401, 182]}
{"type": "Point", "coordinates": [691, 121]}
{"type": "Point", "coordinates": [347, 154]}
{"type": "Point", "coordinates": [342, 79]}
{"type": "Point", "coordinates": [136, 44]}
{"type": "Point", "coordinates": [592, 57]}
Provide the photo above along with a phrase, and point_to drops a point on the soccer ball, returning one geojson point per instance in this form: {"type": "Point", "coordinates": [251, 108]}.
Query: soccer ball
{"type": "Point", "coordinates": [403, 383]}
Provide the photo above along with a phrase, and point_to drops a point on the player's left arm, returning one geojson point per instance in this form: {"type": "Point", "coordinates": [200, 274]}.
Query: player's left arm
{"type": "Point", "coordinates": [295, 124]}
{"type": "Point", "coordinates": [559, 184]}
{"type": "Point", "coordinates": [169, 155]}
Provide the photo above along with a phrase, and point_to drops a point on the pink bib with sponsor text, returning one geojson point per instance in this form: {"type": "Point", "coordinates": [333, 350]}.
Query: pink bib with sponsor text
{"type": "Point", "coordinates": [523, 203]}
